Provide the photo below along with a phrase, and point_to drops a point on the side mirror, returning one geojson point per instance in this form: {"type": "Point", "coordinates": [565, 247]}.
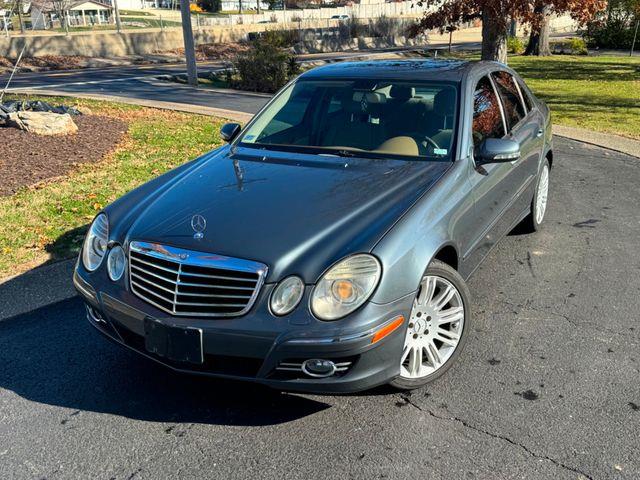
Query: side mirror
{"type": "Point", "coordinates": [497, 150]}
{"type": "Point", "coordinates": [229, 131]}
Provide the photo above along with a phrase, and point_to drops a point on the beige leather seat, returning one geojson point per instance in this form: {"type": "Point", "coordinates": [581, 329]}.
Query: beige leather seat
{"type": "Point", "coordinates": [401, 145]}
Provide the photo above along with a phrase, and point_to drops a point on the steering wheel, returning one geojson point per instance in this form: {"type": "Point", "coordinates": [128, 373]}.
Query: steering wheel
{"type": "Point", "coordinates": [424, 138]}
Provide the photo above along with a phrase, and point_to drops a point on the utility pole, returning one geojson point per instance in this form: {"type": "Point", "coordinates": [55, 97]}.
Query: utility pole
{"type": "Point", "coordinates": [116, 11]}
{"type": "Point", "coordinates": [15, 67]}
{"type": "Point", "coordinates": [189, 49]}
{"type": "Point", "coordinates": [635, 35]}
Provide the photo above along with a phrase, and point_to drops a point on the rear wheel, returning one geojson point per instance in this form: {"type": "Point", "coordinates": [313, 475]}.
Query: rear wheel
{"type": "Point", "coordinates": [437, 329]}
{"type": "Point", "coordinates": [533, 222]}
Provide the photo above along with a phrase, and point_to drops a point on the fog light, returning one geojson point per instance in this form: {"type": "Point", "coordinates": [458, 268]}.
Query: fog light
{"type": "Point", "coordinates": [116, 261]}
{"type": "Point", "coordinates": [318, 368]}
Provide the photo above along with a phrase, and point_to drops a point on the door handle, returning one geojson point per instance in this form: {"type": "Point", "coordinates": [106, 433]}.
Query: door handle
{"type": "Point", "coordinates": [540, 133]}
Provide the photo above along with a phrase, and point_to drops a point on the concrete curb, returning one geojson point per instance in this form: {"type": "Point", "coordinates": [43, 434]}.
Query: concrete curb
{"type": "Point", "coordinates": [241, 117]}
{"type": "Point", "coordinates": [603, 140]}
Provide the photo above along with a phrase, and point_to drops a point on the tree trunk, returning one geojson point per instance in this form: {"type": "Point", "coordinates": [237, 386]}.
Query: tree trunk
{"type": "Point", "coordinates": [20, 21]}
{"type": "Point", "coordinates": [539, 37]}
{"type": "Point", "coordinates": [494, 38]}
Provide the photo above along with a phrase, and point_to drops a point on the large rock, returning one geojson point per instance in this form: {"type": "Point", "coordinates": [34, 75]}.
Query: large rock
{"type": "Point", "coordinates": [43, 123]}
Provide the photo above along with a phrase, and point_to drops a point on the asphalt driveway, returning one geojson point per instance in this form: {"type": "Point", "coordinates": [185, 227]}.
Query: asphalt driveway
{"type": "Point", "coordinates": [548, 386]}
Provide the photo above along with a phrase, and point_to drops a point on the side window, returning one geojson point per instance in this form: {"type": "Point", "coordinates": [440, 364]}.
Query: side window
{"type": "Point", "coordinates": [487, 118]}
{"type": "Point", "coordinates": [525, 97]}
{"type": "Point", "coordinates": [513, 108]}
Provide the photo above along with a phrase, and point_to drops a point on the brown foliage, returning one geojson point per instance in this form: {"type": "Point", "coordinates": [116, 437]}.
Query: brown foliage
{"type": "Point", "coordinates": [445, 13]}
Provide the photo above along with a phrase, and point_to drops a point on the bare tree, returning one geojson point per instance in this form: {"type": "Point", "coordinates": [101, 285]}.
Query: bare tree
{"type": "Point", "coordinates": [18, 5]}
{"type": "Point", "coordinates": [61, 8]}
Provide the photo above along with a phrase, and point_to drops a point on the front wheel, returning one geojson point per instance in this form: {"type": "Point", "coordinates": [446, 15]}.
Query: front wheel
{"type": "Point", "coordinates": [437, 329]}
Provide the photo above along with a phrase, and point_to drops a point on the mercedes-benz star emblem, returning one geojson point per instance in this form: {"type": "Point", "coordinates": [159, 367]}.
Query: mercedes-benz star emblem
{"type": "Point", "coordinates": [199, 224]}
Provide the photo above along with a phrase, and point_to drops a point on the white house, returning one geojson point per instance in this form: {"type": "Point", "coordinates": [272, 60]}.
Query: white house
{"type": "Point", "coordinates": [79, 12]}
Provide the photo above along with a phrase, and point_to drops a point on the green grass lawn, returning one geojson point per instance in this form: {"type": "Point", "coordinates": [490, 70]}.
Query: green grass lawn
{"type": "Point", "coordinates": [48, 222]}
{"type": "Point", "coordinates": [600, 93]}
{"type": "Point", "coordinates": [128, 23]}
{"type": "Point", "coordinates": [135, 13]}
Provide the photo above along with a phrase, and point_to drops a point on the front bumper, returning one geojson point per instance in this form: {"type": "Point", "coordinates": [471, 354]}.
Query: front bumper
{"type": "Point", "coordinates": [254, 346]}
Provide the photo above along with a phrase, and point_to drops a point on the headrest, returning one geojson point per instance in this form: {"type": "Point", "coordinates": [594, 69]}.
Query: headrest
{"type": "Point", "coordinates": [444, 102]}
{"type": "Point", "coordinates": [366, 103]}
{"type": "Point", "coordinates": [402, 92]}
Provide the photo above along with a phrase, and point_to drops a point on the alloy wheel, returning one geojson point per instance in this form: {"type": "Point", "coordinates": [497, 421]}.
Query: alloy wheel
{"type": "Point", "coordinates": [434, 330]}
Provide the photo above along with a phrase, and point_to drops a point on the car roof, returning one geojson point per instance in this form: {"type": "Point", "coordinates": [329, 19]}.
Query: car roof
{"type": "Point", "coordinates": [410, 69]}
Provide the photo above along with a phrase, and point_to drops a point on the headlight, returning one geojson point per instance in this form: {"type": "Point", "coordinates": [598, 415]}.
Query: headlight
{"type": "Point", "coordinates": [345, 287]}
{"type": "Point", "coordinates": [116, 261]}
{"type": "Point", "coordinates": [287, 295]}
{"type": "Point", "coordinates": [95, 243]}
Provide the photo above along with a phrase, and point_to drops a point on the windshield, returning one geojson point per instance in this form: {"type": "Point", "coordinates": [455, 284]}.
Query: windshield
{"type": "Point", "coordinates": [359, 118]}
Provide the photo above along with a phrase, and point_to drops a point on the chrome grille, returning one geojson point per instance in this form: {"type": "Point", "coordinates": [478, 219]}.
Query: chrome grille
{"type": "Point", "coordinates": [187, 283]}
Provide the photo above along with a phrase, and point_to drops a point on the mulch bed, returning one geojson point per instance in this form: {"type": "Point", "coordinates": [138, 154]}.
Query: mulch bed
{"type": "Point", "coordinates": [28, 159]}
{"type": "Point", "coordinates": [44, 62]}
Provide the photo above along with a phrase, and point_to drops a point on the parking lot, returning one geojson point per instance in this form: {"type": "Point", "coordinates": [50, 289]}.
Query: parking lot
{"type": "Point", "coordinates": [548, 386]}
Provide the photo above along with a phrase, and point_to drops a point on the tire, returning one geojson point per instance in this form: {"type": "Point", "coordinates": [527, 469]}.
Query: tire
{"type": "Point", "coordinates": [422, 334]}
{"type": "Point", "coordinates": [534, 221]}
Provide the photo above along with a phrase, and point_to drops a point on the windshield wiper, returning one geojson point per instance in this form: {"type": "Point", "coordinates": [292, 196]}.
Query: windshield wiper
{"type": "Point", "coordinates": [310, 149]}
{"type": "Point", "coordinates": [345, 153]}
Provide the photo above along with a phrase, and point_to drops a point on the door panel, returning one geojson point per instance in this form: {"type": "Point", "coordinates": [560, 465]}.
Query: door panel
{"type": "Point", "coordinates": [502, 191]}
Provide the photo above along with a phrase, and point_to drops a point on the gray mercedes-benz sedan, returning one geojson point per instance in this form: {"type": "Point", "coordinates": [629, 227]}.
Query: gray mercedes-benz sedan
{"type": "Point", "coordinates": [325, 248]}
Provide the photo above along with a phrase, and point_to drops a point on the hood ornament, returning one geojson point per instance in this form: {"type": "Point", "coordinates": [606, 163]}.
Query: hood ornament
{"type": "Point", "coordinates": [199, 224]}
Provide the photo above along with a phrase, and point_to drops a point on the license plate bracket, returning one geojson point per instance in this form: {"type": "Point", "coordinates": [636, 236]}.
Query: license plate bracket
{"type": "Point", "coordinates": [180, 344]}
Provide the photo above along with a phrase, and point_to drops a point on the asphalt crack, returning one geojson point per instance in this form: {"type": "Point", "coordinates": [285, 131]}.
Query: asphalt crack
{"type": "Point", "coordinates": [518, 309]}
{"type": "Point", "coordinates": [407, 400]}
{"type": "Point", "coordinates": [530, 265]}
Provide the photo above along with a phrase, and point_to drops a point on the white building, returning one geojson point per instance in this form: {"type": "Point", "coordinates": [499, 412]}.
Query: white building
{"type": "Point", "coordinates": [79, 12]}
{"type": "Point", "coordinates": [234, 5]}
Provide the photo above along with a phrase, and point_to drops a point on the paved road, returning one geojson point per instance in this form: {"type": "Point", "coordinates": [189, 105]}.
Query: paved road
{"type": "Point", "coordinates": [137, 81]}
{"type": "Point", "coordinates": [548, 386]}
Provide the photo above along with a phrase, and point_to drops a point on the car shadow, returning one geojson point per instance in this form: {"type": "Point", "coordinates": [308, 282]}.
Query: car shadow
{"type": "Point", "coordinates": [54, 357]}
{"type": "Point", "coordinates": [67, 245]}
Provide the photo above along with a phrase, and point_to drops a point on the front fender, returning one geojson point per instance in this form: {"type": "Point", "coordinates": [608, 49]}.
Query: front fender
{"type": "Point", "coordinates": [436, 221]}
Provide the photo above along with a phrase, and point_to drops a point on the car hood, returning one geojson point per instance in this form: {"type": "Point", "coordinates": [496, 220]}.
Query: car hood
{"type": "Point", "coordinates": [297, 213]}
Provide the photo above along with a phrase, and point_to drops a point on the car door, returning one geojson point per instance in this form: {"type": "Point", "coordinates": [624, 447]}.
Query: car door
{"type": "Point", "coordinates": [496, 187]}
{"type": "Point", "coordinates": [526, 127]}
